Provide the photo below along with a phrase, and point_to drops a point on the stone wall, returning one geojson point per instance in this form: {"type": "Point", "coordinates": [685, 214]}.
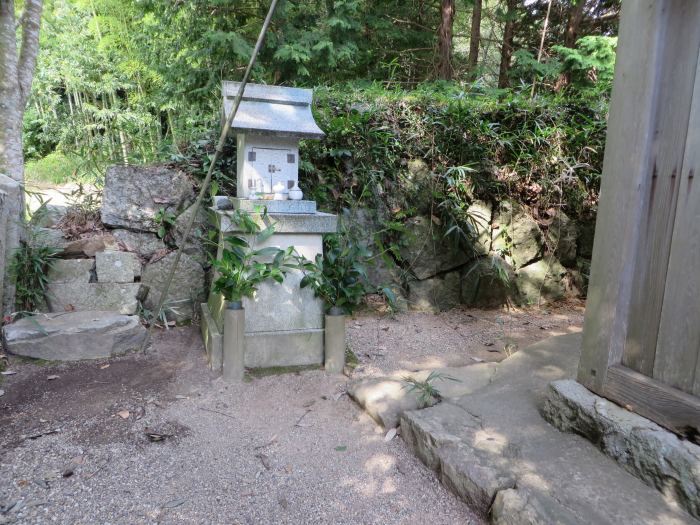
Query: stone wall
{"type": "Point", "coordinates": [124, 267]}
{"type": "Point", "coordinates": [513, 258]}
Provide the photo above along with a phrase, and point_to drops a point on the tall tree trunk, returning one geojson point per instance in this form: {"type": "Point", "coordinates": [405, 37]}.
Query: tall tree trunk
{"type": "Point", "coordinates": [16, 72]}
{"type": "Point", "coordinates": [474, 39]}
{"type": "Point", "coordinates": [573, 23]}
{"type": "Point", "coordinates": [507, 46]}
{"type": "Point", "coordinates": [541, 48]}
{"type": "Point", "coordinates": [447, 18]}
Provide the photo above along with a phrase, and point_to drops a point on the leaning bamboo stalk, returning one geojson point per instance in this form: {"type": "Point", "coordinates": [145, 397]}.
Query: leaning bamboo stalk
{"type": "Point", "coordinates": [207, 180]}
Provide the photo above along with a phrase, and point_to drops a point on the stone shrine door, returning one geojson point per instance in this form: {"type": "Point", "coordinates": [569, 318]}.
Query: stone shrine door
{"type": "Point", "coordinates": [271, 165]}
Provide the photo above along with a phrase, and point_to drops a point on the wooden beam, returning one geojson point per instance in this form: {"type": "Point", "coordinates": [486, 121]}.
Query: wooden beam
{"type": "Point", "coordinates": [678, 347]}
{"type": "Point", "coordinates": [625, 183]}
{"type": "Point", "coordinates": [678, 55]}
{"type": "Point", "coordinates": [666, 406]}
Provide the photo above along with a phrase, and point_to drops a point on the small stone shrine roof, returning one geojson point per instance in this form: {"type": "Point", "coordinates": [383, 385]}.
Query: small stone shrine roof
{"type": "Point", "coordinates": [272, 110]}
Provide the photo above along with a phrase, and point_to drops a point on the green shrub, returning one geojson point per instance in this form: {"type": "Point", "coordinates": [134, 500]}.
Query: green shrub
{"type": "Point", "coordinates": [57, 168]}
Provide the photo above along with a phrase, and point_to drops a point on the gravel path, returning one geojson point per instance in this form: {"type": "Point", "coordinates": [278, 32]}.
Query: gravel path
{"type": "Point", "coordinates": [279, 449]}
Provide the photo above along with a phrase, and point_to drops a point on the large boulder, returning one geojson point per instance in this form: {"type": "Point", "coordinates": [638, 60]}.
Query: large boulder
{"type": "Point", "coordinates": [143, 244]}
{"type": "Point", "coordinates": [49, 237]}
{"type": "Point", "coordinates": [74, 336]}
{"type": "Point", "coordinates": [71, 271]}
{"type": "Point", "coordinates": [133, 195]}
{"type": "Point", "coordinates": [480, 215]}
{"type": "Point", "coordinates": [197, 241]}
{"type": "Point", "coordinates": [89, 246]}
{"type": "Point", "coordinates": [417, 185]}
{"type": "Point", "coordinates": [516, 235]}
{"type": "Point", "coordinates": [437, 293]}
{"type": "Point", "coordinates": [186, 292]}
{"type": "Point", "coordinates": [362, 226]}
{"type": "Point", "coordinates": [488, 282]}
{"type": "Point", "coordinates": [117, 267]}
{"type": "Point", "coordinates": [584, 243]}
{"type": "Point", "coordinates": [426, 251]}
{"type": "Point", "coordinates": [541, 281]}
{"type": "Point", "coordinates": [115, 297]}
{"type": "Point", "coordinates": [562, 235]}
{"type": "Point", "coordinates": [49, 215]}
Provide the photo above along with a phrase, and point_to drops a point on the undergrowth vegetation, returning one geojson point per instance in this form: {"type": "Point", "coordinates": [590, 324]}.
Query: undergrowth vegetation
{"type": "Point", "coordinates": [434, 150]}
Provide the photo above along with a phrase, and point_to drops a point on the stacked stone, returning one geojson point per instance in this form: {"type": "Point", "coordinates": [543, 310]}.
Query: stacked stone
{"type": "Point", "coordinates": [513, 259]}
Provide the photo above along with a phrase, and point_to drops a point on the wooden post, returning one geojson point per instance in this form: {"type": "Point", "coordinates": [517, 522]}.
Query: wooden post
{"type": "Point", "coordinates": [234, 344]}
{"type": "Point", "coordinates": [335, 343]}
{"type": "Point", "coordinates": [641, 340]}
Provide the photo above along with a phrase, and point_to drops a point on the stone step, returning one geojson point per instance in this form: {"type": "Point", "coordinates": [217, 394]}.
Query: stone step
{"type": "Point", "coordinates": [386, 398]}
{"type": "Point", "coordinates": [74, 336]}
{"type": "Point", "coordinates": [495, 451]}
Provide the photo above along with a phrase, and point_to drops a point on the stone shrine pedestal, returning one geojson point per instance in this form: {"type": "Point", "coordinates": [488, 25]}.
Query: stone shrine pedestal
{"type": "Point", "coordinates": [284, 324]}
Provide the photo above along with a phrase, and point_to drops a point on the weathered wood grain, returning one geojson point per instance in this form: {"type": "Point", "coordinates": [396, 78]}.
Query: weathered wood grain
{"type": "Point", "coordinates": [666, 406]}
{"type": "Point", "coordinates": [678, 344]}
{"type": "Point", "coordinates": [627, 169]}
{"type": "Point", "coordinates": [676, 81]}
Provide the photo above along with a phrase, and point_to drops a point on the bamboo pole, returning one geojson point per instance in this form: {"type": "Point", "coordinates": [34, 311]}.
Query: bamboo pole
{"type": "Point", "coordinates": [207, 180]}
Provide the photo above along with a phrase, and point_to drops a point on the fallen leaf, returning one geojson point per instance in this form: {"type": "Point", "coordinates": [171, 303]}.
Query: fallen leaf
{"type": "Point", "coordinates": [8, 373]}
{"type": "Point", "coordinates": [173, 503]}
{"type": "Point", "coordinates": [51, 378]}
{"type": "Point", "coordinates": [155, 436]}
{"type": "Point", "coordinates": [23, 483]}
{"type": "Point", "coordinates": [390, 435]}
{"type": "Point", "coordinates": [264, 460]}
{"type": "Point", "coordinates": [341, 448]}
{"type": "Point", "coordinates": [124, 414]}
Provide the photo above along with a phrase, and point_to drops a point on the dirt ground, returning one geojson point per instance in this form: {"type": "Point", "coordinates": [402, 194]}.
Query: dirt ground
{"type": "Point", "coordinates": [278, 449]}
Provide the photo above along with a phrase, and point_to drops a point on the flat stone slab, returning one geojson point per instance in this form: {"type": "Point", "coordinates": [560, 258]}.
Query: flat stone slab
{"type": "Point", "coordinates": [71, 271]}
{"type": "Point", "coordinates": [144, 244]}
{"type": "Point", "coordinates": [74, 336]}
{"type": "Point", "coordinates": [117, 267]}
{"type": "Point", "coordinates": [318, 222]}
{"type": "Point", "coordinates": [496, 452]}
{"type": "Point", "coordinates": [288, 206]}
{"type": "Point", "coordinates": [115, 297]}
{"type": "Point", "coordinates": [387, 398]}
{"type": "Point", "coordinates": [213, 339]}
{"type": "Point", "coordinates": [650, 452]}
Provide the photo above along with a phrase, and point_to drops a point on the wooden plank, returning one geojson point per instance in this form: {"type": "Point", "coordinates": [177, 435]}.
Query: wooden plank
{"type": "Point", "coordinates": [678, 343]}
{"type": "Point", "coordinates": [625, 182]}
{"type": "Point", "coordinates": [679, 58]}
{"type": "Point", "coordinates": [666, 406]}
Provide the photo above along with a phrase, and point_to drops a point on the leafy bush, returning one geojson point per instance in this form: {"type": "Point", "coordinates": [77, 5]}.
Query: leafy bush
{"type": "Point", "coordinates": [29, 269]}
{"type": "Point", "coordinates": [242, 268]}
{"type": "Point", "coordinates": [543, 152]}
{"type": "Point", "coordinates": [592, 63]}
{"type": "Point", "coordinates": [338, 276]}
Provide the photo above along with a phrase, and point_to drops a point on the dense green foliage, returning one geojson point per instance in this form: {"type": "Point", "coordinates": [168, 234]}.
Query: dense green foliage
{"type": "Point", "coordinates": [544, 152]}
{"type": "Point", "coordinates": [243, 266]}
{"type": "Point", "coordinates": [121, 81]}
{"type": "Point", "coordinates": [29, 268]}
{"type": "Point", "coordinates": [338, 276]}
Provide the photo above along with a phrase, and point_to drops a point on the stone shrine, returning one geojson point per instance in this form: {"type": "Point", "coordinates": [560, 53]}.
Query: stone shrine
{"type": "Point", "coordinates": [284, 324]}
